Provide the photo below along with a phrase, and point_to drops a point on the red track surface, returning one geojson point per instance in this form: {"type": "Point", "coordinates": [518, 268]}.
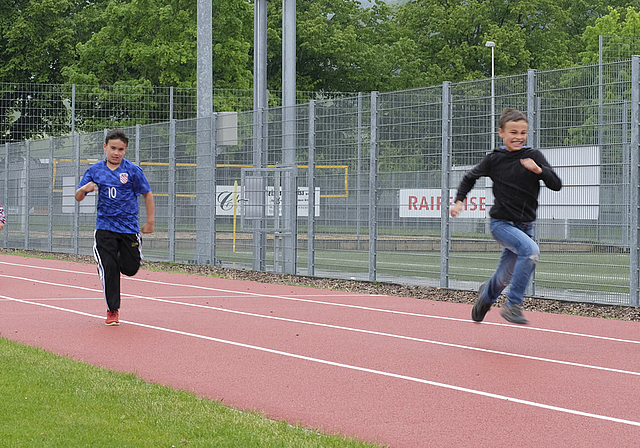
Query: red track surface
{"type": "Point", "coordinates": [398, 371]}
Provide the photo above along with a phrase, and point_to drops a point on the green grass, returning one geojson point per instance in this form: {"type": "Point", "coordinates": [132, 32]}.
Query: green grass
{"type": "Point", "coordinates": [50, 401]}
{"type": "Point", "coordinates": [587, 271]}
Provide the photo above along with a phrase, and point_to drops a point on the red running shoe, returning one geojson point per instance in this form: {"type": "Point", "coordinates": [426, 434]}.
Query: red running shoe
{"type": "Point", "coordinates": [112, 318]}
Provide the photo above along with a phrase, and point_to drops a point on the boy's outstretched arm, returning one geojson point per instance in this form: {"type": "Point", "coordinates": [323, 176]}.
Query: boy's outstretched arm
{"type": "Point", "coordinates": [531, 165]}
{"type": "Point", "coordinates": [86, 188]}
{"type": "Point", "coordinates": [456, 209]}
{"type": "Point", "coordinates": [151, 210]}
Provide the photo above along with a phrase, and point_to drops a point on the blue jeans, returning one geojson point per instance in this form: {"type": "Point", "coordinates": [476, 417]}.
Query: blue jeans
{"type": "Point", "coordinates": [517, 262]}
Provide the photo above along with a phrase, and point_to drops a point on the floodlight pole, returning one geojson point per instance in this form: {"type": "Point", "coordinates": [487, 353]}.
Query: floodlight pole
{"type": "Point", "coordinates": [260, 104]}
{"type": "Point", "coordinates": [493, 96]}
{"type": "Point", "coordinates": [204, 89]}
{"type": "Point", "coordinates": [289, 187]}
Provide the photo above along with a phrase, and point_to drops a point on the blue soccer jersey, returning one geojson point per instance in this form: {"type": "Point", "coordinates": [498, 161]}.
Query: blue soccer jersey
{"type": "Point", "coordinates": [118, 192]}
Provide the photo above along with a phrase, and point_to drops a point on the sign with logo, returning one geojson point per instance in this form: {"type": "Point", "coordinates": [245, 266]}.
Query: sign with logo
{"type": "Point", "coordinates": [578, 168]}
{"type": "Point", "coordinates": [225, 201]}
{"type": "Point", "coordinates": [427, 203]}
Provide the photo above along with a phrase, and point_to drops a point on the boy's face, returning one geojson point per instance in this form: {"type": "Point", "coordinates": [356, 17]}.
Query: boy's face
{"type": "Point", "coordinates": [514, 134]}
{"type": "Point", "coordinates": [115, 150]}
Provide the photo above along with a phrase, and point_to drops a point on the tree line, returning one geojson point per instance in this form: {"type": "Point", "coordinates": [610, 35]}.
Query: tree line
{"type": "Point", "coordinates": [341, 45]}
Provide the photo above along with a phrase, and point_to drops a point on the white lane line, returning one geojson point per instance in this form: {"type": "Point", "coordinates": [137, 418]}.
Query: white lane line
{"type": "Point", "coordinates": [382, 310]}
{"type": "Point", "coordinates": [355, 330]}
{"type": "Point", "coordinates": [355, 368]}
{"type": "Point", "coordinates": [360, 307]}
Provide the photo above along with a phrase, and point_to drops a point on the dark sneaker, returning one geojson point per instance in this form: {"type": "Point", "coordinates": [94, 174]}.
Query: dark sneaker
{"type": "Point", "coordinates": [113, 318]}
{"type": "Point", "coordinates": [480, 308]}
{"type": "Point", "coordinates": [513, 314]}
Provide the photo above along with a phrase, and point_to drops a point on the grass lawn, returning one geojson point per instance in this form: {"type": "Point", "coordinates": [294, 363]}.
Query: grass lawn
{"type": "Point", "coordinates": [587, 271]}
{"type": "Point", "coordinates": [51, 401]}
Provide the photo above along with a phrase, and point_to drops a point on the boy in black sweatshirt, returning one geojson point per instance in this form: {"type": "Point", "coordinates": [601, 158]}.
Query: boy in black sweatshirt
{"type": "Point", "coordinates": [516, 171]}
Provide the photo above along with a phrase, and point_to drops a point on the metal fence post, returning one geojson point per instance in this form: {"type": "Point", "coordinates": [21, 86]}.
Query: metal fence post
{"type": "Point", "coordinates": [212, 183]}
{"type": "Point", "coordinates": [137, 140]}
{"type": "Point", "coordinates": [532, 114]}
{"type": "Point", "coordinates": [445, 228]}
{"type": "Point", "coordinates": [75, 140]}
{"type": "Point", "coordinates": [635, 177]}
{"type": "Point", "coordinates": [50, 199]}
{"type": "Point", "coordinates": [359, 170]}
{"type": "Point", "coordinates": [73, 109]}
{"type": "Point", "coordinates": [171, 203]}
{"type": "Point", "coordinates": [260, 116]}
{"type": "Point", "coordinates": [311, 185]}
{"type": "Point", "coordinates": [5, 200]}
{"type": "Point", "coordinates": [204, 196]}
{"type": "Point", "coordinates": [25, 192]}
{"type": "Point", "coordinates": [171, 103]}
{"type": "Point", "coordinates": [373, 191]}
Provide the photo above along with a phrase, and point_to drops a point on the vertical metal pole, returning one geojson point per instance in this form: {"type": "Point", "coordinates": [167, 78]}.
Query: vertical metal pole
{"type": "Point", "coordinates": [289, 187]}
{"type": "Point", "coordinates": [600, 116]}
{"type": "Point", "coordinates": [204, 195]}
{"type": "Point", "coordinates": [50, 199]}
{"type": "Point", "coordinates": [277, 227]}
{"type": "Point", "coordinates": [635, 184]}
{"type": "Point", "coordinates": [260, 95]}
{"type": "Point", "coordinates": [373, 191]}
{"type": "Point", "coordinates": [625, 170]}
{"type": "Point", "coordinates": [532, 118]}
{"type": "Point", "coordinates": [73, 109]}
{"type": "Point", "coordinates": [204, 64]}
{"type": "Point", "coordinates": [5, 200]}
{"type": "Point", "coordinates": [137, 140]}
{"type": "Point", "coordinates": [493, 100]}
{"type": "Point", "coordinates": [75, 139]}
{"type": "Point", "coordinates": [538, 123]}
{"type": "Point", "coordinates": [26, 192]}
{"type": "Point", "coordinates": [171, 117]}
{"type": "Point", "coordinates": [600, 92]}
{"type": "Point", "coordinates": [171, 203]}
{"type": "Point", "coordinates": [358, 169]}
{"type": "Point", "coordinates": [260, 98]}
{"type": "Point", "coordinates": [212, 188]}
{"type": "Point", "coordinates": [531, 105]}
{"type": "Point", "coordinates": [445, 229]}
{"type": "Point", "coordinates": [203, 136]}
{"type": "Point", "coordinates": [311, 184]}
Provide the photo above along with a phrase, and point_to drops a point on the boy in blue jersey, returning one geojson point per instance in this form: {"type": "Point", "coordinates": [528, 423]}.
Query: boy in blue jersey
{"type": "Point", "coordinates": [516, 171]}
{"type": "Point", "coordinates": [117, 241]}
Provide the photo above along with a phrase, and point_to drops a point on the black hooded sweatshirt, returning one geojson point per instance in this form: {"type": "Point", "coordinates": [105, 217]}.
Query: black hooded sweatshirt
{"type": "Point", "coordinates": [515, 188]}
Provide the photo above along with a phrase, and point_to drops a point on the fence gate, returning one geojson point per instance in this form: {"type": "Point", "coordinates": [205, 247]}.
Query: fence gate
{"type": "Point", "coordinates": [265, 202]}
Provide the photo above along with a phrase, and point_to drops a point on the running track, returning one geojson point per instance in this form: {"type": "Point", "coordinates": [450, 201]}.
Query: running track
{"type": "Point", "coordinates": [397, 371]}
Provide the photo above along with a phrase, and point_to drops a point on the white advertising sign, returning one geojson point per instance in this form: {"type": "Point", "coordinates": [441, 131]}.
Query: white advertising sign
{"type": "Point", "coordinates": [225, 204]}
{"type": "Point", "coordinates": [427, 203]}
{"type": "Point", "coordinates": [69, 187]}
{"type": "Point", "coordinates": [579, 198]}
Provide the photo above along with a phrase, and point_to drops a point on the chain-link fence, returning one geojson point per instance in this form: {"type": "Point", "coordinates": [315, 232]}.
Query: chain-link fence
{"type": "Point", "coordinates": [34, 111]}
{"type": "Point", "coordinates": [616, 48]}
{"type": "Point", "coordinates": [362, 196]}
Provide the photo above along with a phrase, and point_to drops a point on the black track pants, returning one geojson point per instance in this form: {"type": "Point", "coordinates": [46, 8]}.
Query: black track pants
{"type": "Point", "coordinates": [115, 253]}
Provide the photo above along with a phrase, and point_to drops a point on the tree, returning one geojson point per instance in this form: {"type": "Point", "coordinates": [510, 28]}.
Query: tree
{"type": "Point", "coordinates": [38, 39]}
{"type": "Point", "coordinates": [538, 34]}
{"type": "Point", "coordinates": [153, 42]}
{"type": "Point", "coordinates": [343, 47]}
{"type": "Point", "coordinates": [619, 22]}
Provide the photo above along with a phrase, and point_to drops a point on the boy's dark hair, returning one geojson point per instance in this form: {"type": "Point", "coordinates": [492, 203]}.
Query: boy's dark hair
{"type": "Point", "coordinates": [117, 134]}
{"type": "Point", "coordinates": [510, 114]}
